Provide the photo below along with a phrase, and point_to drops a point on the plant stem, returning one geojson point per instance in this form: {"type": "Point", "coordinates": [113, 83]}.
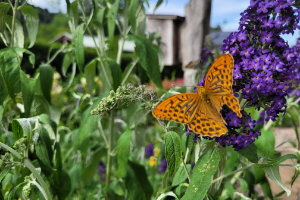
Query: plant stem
{"type": "Point", "coordinates": [232, 173]}
{"type": "Point", "coordinates": [120, 50]}
{"type": "Point", "coordinates": [186, 170]}
{"type": "Point", "coordinates": [12, 40]}
{"type": "Point", "coordinates": [109, 150]}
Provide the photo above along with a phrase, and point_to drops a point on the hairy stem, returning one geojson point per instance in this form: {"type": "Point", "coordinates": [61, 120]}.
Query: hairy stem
{"type": "Point", "coordinates": [232, 173]}
{"type": "Point", "coordinates": [109, 150]}
{"type": "Point", "coordinates": [15, 9]}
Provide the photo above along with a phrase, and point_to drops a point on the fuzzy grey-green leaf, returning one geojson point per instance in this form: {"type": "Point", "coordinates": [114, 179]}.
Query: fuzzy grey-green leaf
{"type": "Point", "coordinates": [173, 151]}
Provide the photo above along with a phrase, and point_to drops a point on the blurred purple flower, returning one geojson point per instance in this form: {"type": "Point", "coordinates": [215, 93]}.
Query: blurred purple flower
{"type": "Point", "coordinates": [149, 150]}
{"type": "Point", "coordinates": [101, 170]}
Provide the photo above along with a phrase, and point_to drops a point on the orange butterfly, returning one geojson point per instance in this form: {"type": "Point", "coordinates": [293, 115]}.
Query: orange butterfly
{"type": "Point", "coordinates": [201, 111]}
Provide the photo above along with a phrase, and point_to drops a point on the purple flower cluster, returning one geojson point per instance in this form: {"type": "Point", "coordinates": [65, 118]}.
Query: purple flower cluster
{"type": "Point", "coordinates": [149, 150]}
{"type": "Point", "coordinates": [266, 69]}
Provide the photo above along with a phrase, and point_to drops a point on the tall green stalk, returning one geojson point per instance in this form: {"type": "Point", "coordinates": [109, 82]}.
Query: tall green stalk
{"type": "Point", "coordinates": [15, 9]}
{"type": "Point", "coordinates": [109, 150]}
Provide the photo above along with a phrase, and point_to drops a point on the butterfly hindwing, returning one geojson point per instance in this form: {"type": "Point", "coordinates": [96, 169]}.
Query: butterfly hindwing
{"type": "Point", "coordinates": [206, 127]}
{"type": "Point", "coordinates": [179, 108]}
{"type": "Point", "coordinates": [232, 103]}
{"type": "Point", "coordinates": [219, 76]}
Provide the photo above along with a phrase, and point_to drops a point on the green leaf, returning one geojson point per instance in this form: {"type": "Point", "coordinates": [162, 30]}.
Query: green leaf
{"type": "Point", "coordinates": [67, 60]}
{"type": "Point", "coordinates": [203, 173]}
{"type": "Point", "coordinates": [123, 152]}
{"type": "Point", "coordinates": [4, 7]}
{"type": "Point", "coordinates": [158, 3]}
{"type": "Point", "coordinates": [43, 147]}
{"type": "Point", "coordinates": [72, 9]}
{"type": "Point", "coordinates": [27, 88]}
{"type": "Point", "coordinates": [31, 21]}
{"type": "Point", "coordinates": [46, 78]}
{"type": "Point", "coordinates": [277, 161]}
{"type": "Point", "coordinates": [132, 12]}
{"type": "Point", "coordinates": [167, 194]}
{"type": "Point", "coordinates": [23, 127]}
{"type": "Point", "coordinates": [266, 143]}
{"type": "Point", "coordinates": [181, 175]}
{"type": "Point", "coordinates": [89, 73]}
{"type": "Point", "coordinates": [250, 152]}
{"type": "Point", "coordinates": [77, 41]}
{"type": "Point", "coordinates": [116, 73]}
{"type": "Point", "coordinates": [99, 16]}
{"type": "Point", "coordinates": [172, 151]}
{"type": "Point", "coordinates": [19, 35]}
{"type": "Point", "coordinates": [148, 58]}
{"type": "Point", "coordinates": [137, 183]}
{"type": "Point", "coordinates": [9, 74]}
{"type": "Point", "coordinates": [273, 174]}
{"type": "Point", "coordinates": [111, 18]}
{"type": "Point", "coordinates": [89, 172]}
{"type": "Point", "coordinates": [140, 21]}
{"type": "Point", "coordinates": [3, 173]}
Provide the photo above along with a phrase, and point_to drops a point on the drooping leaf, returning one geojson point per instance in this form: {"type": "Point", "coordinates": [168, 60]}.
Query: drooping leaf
{"type": "Point", "coordinates": [23, 127]}
{"type": "Point", "coordinates": [173, 151]}
{"type": "Point", "coordinates": [27, 88]}
{"type": "Point", "coordinates": [9, 74]}
{"type": "Point", "coordinates": [77, 41]}
{"type": "Point", "coordinates": [31, 21]}
{"type": "Point", "coordinates": [46, 79]}
{"type": "Point", "coordinates": [203, 173]}
{"type": "Point", "coordinates": [43, 147]}
{"type": "Point", "coordinates": [67, 60]}
{"type": "Point", "coordinates": [273, 174]}
{"type": "Point", "coordinates": [147, 53]}
{"type": "Point", "coordinates": [19, 35]}
{"type": "Point", "coordinates": [90, 73]}
{"type": "Point", "coordinates": [158, 3]}
{"type": "Point", "coordinates": [123, 152]}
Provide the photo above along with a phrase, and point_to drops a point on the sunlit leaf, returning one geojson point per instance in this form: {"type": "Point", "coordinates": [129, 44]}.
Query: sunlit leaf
{"type": "Point", "coordinates": [31, 21]}
{"type": "Point", "coordinates": [203, 173]}
{"type": "Point", "coordinates": [180, 175]}
{"type": "Point", "coordinates": [273, 174]}
{"type": "Point", "coordinates": [9, 74]}
{"type": "Point", "coordinates": [77, 41]}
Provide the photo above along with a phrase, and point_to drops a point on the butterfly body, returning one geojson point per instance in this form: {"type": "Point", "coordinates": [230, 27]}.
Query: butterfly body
{"type": "Point", "coordinates": [201, 111]}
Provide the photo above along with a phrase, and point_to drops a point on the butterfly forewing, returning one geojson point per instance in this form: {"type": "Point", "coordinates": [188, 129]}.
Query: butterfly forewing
{"type": "Point", "coordinates": [179, 108]}
{"type": "Point", "coordinates": [219, 76]}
